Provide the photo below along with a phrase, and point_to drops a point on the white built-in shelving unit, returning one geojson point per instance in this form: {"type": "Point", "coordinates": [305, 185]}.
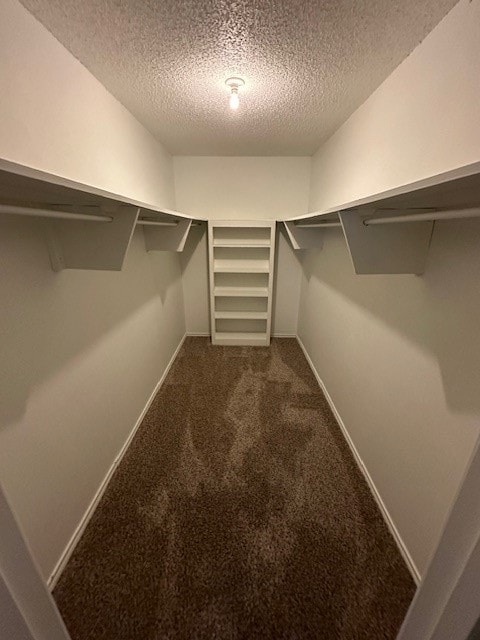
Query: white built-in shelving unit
{"type": "Point", "coordinates": [241, 261]}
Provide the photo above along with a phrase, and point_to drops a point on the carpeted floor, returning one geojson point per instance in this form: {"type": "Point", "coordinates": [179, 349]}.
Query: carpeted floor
{"type": "Point", "coordinates": [237, 513]}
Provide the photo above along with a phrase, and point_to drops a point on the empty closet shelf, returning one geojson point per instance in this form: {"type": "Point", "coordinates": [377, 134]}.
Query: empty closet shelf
{"type": "Point", "coordinates": [241, 266]}
{"type": "Point", "coordinates": [241, 339]}
{"type": "Point", "coordinates": [241, 315]}
{"type": "Point", "coordinates": [242, 244]}
{"type": "Point", "coordinates": [248, 292]}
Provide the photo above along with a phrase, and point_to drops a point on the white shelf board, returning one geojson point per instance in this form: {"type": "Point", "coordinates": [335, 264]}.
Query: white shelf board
{"type": "Point", "coordinates": [400, 248]}
{"type": "Point", "coordinates": [225, 224]}
{"type": "Point", "coordinates": [242, 244]}
{"type": "Point", "coordinates": [241, 339]}
{"type": "Point", "coordinates": [241, 315]}
{"type": "Point", "coordinates": [71, 244]}
{"type": "Point", "coordinates": [446, 189]}
{"type": "Point", "coordinates": [241, 292]}
{"type": "Point", "coordinates": [241, 266]}
{"type": "Point", "coordinates": [45, 188]}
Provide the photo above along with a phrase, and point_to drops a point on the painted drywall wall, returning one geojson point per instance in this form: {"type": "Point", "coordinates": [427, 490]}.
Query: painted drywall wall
{"type": "Point", "coordinates": [81, 353]}
{"type": "Point", "coordinates": [400, 354]}
{"type": "Point", "coordinates": [400, 358]}
{"type": "Point", "coordinates": [56, 117]}
{"type": "Point", "coordinates": [241, 188]}
{"type": "Point", "coordinates": [422, 121]}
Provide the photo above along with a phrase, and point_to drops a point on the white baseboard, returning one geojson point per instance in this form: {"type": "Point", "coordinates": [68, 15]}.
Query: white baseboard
{"type": "Point", "coordinates": [201, 334]}
{"type": "Point", "coordinates": [69, 549]}
{"type": "Point", "coordinates": [383, 509]}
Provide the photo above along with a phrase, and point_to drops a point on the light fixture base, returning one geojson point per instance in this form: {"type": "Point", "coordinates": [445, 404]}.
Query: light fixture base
{"type": "Point", "coordinates": [234, 82]}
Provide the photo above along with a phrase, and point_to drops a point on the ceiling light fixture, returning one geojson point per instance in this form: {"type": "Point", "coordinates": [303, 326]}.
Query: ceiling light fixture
{"type": "Point", "coordinates": [234, 84]}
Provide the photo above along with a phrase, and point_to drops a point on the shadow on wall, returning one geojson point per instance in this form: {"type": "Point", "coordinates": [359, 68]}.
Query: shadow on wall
{"type": "Point", "coordinates": [194, 261]}
{"type": "Point", "coordinates": [48, 318]}
{"type": "Point", "coordinates": [195, 235]}
{"type": "Point", "coordinates": [162, 268]}
{"type": "Point", "coordinates": [439, 310]}
{"type": "Point", "coordinates": [286, 284]}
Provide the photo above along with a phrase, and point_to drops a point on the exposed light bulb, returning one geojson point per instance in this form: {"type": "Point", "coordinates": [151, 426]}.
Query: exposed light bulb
{"type": "Point", "coordinates": [234, 84]}
{"type": "Point", "coordinates": [234, 99]}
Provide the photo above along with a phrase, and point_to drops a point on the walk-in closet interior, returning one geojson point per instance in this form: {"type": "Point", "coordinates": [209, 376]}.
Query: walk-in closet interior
{"type": "Point", "coordinates": [240, 312]}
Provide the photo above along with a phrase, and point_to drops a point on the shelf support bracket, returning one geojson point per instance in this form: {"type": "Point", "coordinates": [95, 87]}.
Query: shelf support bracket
{"type": "Point", "coordinates": [303, 238]}
{"type": "Point", "coordinates": [171, 238]}
{"type": "Point", "coordinates": [77, 244]}
{"type": "Point", "coordinates": [386, 249]}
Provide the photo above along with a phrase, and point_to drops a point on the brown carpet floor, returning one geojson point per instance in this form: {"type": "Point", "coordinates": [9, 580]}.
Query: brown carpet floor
{"type": "Point", "coordinates": [237, 513]}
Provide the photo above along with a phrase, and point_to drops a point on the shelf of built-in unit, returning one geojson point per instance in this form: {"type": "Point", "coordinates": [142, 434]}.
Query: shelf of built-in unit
{"type": "Point", "coordinates": [241, 315]}
{"type": "Point", "coordinates": [241, 339]}
{"type": "Point", "coordinates": [241, 266]}
{"type": "Point", "coordinates": [241, 292]}
{"type": "Point", "coordinates": [242, 244]}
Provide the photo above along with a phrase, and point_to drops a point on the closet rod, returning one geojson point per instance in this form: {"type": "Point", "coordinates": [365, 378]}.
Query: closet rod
{"type": "Point", "coordinates": [48, 213]}
{"type": "Point", "coordinates": [157, 223]}
{"type": "Point", "coordinates": [318, 225]}
{"type": "Point", "coordinates": [450, 214]}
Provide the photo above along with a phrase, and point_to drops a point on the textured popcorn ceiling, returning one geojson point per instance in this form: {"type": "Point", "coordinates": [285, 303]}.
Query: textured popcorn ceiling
{"type": "Point", "coordinates": [307, 64]}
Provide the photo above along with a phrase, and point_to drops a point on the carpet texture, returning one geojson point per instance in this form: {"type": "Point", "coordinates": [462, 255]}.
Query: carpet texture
{"type": "Point", "coordinates": [238, 512]}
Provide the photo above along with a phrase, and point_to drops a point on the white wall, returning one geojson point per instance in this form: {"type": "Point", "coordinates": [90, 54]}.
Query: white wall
{"type": "Point", "coordinates": [422, 121]}
{"type": "Point", "coordinates": [241, 188]}
{"type": "Point", "coordinates": [81, 350]}
{"type": "Point", "coordinates": [81, 353]}
{"type": "Point", "coordinates": [55, 116]}
{"type": "Point", "coordinates": [400, 355]}
{"type": "Point", "coordinates": [400, 358]}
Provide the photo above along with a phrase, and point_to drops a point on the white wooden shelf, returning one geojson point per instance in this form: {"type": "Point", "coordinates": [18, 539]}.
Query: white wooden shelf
{"type": "Point", "coordinates": [242, 338]}
{"type": "Point", "coordinates": [390, 232]}
{"type": "Point", "coordinates": [241, 266]}
{"type": "Point", "coordinates": [242, 244]}
{"type": "Point", "coordinates": [241, 262]}
{"type": "Point", "coordinates": [241, 315]}
{"type": "Point", "coordinates": [241, 292]}
{"type": "Point", "coordinates": [89, 228]}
